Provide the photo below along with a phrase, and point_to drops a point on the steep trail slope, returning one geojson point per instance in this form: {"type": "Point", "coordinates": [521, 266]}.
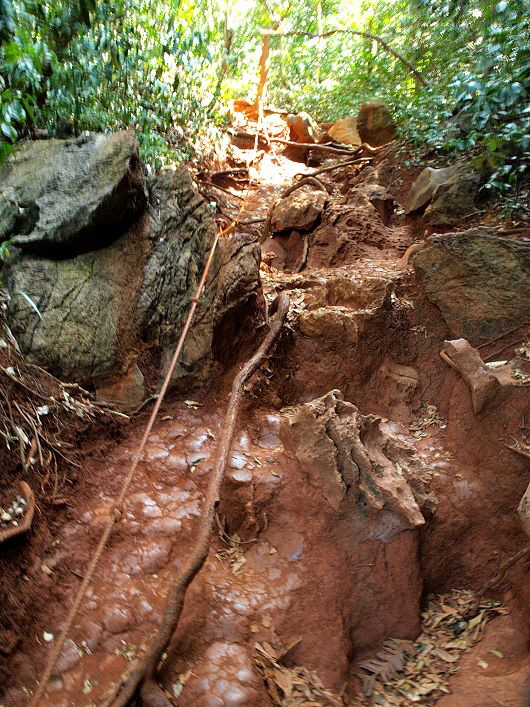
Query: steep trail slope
{"type": "Point", "coordinates": [360, 480]}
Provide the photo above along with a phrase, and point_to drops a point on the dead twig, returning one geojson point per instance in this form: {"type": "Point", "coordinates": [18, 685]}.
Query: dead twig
{"type": "Point", "coordinates": [25, 525]}
{"type": "Point", "coordinates": [303, 260]}
{"type": "Point", "coordinates": [360, 160]}
{"type": "Point", "coordinates": [290, 143]}
{"type": "Point", "coordinates": [143, 672]}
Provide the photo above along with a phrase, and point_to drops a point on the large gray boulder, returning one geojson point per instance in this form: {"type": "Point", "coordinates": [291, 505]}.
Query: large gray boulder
{"type": "Point", "coordinates": [445, 195]}
{"type": "Point", "coordinates": [424, 186]}
{"type": "Point", "coordinates": [88, 304]}
{"type": "Point", "coordinates": [479, 280]}
{"type": "Point", "coordinates": [70, 196]}
{"type": "Point", "coordinates": [99, 309]}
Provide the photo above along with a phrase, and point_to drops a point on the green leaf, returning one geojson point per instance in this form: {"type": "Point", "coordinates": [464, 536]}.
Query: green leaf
{"type": "Point", "coordinates": [9, 131]}
{"type": "Point", "coordinates": [28, 299]}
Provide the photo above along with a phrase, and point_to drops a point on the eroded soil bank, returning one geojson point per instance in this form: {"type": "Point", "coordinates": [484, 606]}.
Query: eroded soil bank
{"type": "Point", "coordinates": [361, 481]}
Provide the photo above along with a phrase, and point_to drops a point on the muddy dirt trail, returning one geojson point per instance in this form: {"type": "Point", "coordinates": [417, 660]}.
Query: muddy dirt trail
{"type": "Point", "coordinates": [360, 482]}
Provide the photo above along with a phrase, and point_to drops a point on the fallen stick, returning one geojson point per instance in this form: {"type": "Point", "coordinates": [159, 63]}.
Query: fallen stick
{"type": "Point", "coordinates": [290, 143]}
{"type": "Point", "coordinates": [224, 172]}
{"type": "Point", "coordinates": [345, 163]}
{"type": "Point", "coordinates": [9, 533]}
{"type": "Point", "coordinates": [142, 673]}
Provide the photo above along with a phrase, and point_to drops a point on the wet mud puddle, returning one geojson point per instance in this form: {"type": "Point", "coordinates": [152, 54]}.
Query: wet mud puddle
{"type": "Point", "coordinates": [242, 583]}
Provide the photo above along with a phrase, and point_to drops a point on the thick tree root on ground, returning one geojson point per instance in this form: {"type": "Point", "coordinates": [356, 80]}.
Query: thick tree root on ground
{"type": "Point", "coordinates": [142, 672]}
{"type": "Point", "coordinates": [363, 161]}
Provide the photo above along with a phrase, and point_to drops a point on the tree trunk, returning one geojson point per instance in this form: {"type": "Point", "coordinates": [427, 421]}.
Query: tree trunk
{"type": "Point", "coordinates": [264, 63]}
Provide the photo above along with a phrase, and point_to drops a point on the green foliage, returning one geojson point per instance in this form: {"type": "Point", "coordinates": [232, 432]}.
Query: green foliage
{"type": "Point", "coordinates": [167, 69]}
{"type": "Point", "coordinates": [475, 55]}
{"type": "Point", "coordinates": [107, 65]}
{"type": "Point", "coordinates": [492, 98]}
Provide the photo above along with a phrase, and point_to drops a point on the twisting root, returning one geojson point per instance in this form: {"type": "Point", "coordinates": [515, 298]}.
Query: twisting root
{"type": "Point", "coordinates": [492, 583]}
{"type": "Point", "coordinates": [307, 180]}
{"type": "Point", "coordinates": [143, 672]}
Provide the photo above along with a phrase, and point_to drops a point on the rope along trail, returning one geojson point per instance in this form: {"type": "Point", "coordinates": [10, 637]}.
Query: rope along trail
{"type": "Point", "coordinates": [116, 512]}
{"type": "Point", "coordinates": [142, 673]}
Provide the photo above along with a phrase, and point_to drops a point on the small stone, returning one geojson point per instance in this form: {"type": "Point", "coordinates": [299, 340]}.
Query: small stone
{"type": "Point", "coordinates": [117, 619]}
{"type": "Point", "coordinates": [70, 655]}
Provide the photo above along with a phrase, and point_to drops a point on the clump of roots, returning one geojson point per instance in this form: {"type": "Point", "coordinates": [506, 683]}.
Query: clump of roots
{"type": "Point", "coordinates": [40, 419]}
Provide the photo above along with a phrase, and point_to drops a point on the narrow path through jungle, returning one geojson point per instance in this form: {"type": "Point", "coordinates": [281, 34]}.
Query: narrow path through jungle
{"type": "Point", "coordinates": [292, 562]}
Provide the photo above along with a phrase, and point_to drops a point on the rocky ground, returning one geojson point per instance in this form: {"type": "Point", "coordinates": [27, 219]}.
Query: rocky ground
{"type": "Point", "coordinates": [368, 473]}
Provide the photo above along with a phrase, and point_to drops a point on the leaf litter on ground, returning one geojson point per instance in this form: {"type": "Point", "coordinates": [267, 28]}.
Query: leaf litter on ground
{"type": "Point", "coordinates": [430, 418]}
{"type": "Point", "coordinates": [408, 672]}
{"type": "Point", "coordinates": [294, 685]}
{"type": "Point", "coordinates": [403, 673]}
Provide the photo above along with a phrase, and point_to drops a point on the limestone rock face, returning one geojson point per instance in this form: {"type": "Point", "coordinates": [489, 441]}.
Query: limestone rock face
{"type": "Point", "coordinates": [353, 459]}
{"type": "Point", "coordinates": [375, 124]}
{"type": "Point", "coordinates": [488, 273]}
{"type": "Point", "coordinates": [300, 210]}
{"type": "Point", "coordinates": [98, 309]}
{"type": "Point", "coordinates": [71, 195]}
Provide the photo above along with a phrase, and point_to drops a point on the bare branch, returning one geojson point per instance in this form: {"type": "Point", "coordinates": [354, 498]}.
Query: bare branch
{"type": "Point", "coordinates": [366, 35]}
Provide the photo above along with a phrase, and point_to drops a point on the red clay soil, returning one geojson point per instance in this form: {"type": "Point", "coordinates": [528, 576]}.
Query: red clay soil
{"type": "Point", "coordinates": [285, 565]}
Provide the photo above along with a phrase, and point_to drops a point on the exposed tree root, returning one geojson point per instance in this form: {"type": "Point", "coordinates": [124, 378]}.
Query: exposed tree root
{"type": "Point", "coordinates": [494, 581]}
{"type": "Point", "coordinates": [142, 672]}
{"type": "Point", "coordinates": [290, 143]}
{"type": "Point", "coordinates": [501, 336]}
{"type": "Point", "coordinates": [303, 260]}
{"type": "Point", "coordinates": [403, 262]}
{"type": "Point", "coordinates": [25, 525]}
{"type": "Point", "coordinates": [220, 188]}
{"type": "Point", "coordinates": [228, 172]}
{"type": "Point", "coordinates": [359, 160]}
{"type": "Point", "coordinates": [311, 179]}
